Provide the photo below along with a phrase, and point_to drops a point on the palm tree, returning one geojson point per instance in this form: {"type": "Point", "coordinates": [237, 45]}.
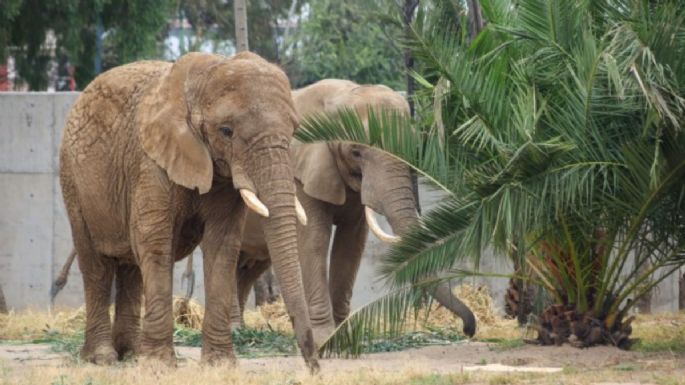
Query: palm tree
{"type": "Point", "coordinates": [556, 135]}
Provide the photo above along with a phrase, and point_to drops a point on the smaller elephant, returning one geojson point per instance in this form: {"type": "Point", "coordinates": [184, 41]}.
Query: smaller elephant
{"type": "Point", "coordinates": [342, 185]}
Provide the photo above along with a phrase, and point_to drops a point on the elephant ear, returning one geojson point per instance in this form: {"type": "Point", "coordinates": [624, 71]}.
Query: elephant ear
{"type": "Point", "coordinates": [315, 167]}
{"type": "Point", "coordinates": [166, 134]}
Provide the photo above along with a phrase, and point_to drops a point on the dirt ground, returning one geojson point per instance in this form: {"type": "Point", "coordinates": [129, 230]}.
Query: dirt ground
{"type": "Point", "coordinates": [467, 362]}
{"type": "Point", "coordinates": [495, 356]}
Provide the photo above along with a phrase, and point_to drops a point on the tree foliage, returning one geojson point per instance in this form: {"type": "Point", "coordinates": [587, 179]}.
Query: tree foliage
{"type": "Point", "coordinates": [132, 29]}
{"type": "Point", "coordinates": [353, 40]}
{"type": "Point", "coordinates": [556, 133]}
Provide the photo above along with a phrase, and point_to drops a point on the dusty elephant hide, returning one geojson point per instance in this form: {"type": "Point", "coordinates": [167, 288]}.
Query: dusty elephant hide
{"type": "Point", "coordinates": [341, 184]}
{"type": "Point", "coordinates": [154, 156]}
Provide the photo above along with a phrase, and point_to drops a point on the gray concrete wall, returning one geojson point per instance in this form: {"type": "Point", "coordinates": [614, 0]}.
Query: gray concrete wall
{"type": "Point", "coordinates": [35, 237]}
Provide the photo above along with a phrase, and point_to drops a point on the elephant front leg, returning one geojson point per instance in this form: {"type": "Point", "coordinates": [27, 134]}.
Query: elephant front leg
{"type": "Point", "coordinates": [348, 247]}
{"type": "Point", "coordinates": [220, 250]}
{"type": "Point", "coordinates": [152, 239]}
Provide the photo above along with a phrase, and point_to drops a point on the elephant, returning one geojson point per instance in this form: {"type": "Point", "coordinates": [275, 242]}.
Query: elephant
{"type": "Point", "coordinates": [342, 185]}
{"type": "Point", "coordinates": [158, 157]}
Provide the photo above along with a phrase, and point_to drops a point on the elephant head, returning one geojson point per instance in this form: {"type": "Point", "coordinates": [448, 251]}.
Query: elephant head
{"type": "Point", "coordinates": [384, 182]}
{"type": "Point", "coordinates": [213, 117]}
{"type": "Point", "coordinates": [328, 170]}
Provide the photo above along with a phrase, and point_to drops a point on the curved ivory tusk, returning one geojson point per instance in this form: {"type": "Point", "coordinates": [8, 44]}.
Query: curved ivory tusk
{"type": "Point", "coordinates": [301, 214]}
{"type": "Point", "coordinates": [254, 203]}
{"type": "Point", "coordinates": [376, 229]}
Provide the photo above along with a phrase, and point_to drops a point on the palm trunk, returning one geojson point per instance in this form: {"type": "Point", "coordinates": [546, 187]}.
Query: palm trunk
{"type": "Point", "coordinates": [274, 182]}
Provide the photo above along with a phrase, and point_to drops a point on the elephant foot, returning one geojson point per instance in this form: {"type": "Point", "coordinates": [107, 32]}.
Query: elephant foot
{"type": "Point", "coordinates": [101, 355]}
{"type": "Point", "coordinates": [125, 349]}
{"type": "Point", "coordinates": [321, 334]}
{"type": "Point", "coordinates": [313, 365]}
{"type": "Point", "coordinates": [126, 344]}
{"type": "Point", "coordinates": [163, 354]}
{"type": "Point", "coordinates": [215, 357]}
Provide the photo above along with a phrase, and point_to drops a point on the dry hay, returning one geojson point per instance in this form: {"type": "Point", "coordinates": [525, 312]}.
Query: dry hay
{"type": "Point", "coordinates": [477, 298]}
{"type": "Point", "coordinates": [272, 316]}
{"type": "Point", "coordinates": [188, 312]}
{"type": "Point", "coordinates": [33, 324]}
{"type": "Point", "coordinates": [667, 329]}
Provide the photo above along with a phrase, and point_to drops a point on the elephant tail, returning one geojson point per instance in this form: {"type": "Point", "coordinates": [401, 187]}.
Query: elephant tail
{"type": "Point", "coordinates": [443, 294]}
{"type": "Point", "coordinates": [63, 276]}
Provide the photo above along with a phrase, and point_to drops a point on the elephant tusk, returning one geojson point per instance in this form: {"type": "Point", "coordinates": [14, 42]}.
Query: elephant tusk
{"type": "Point", "coordinates": [254, 203]}
{"type": "Point", "coordinates": [376, 229]}
{"type": "Point", "coordinates": [301, 214]}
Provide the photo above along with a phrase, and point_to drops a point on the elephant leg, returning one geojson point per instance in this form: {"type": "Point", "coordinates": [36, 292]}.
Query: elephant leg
{"type": "Point", "coordinates": [98, 272]}
{"type": "Point", "coordinates": [313, 242]}
{"type": "Point", "coordinates": [348, 247]}
{"type": "Point", "coordinates": [249, 277]}
{"type": "Point", "coordinates": [261, 291]}
{"type": "Point", "coordinates": [220, 249]}
{"type": "Point", "coordinates": [126, 329]}
{"type": "Point", "coordinates": [249, 270]}
{"type": "Point", "coordinates": [152, 239]}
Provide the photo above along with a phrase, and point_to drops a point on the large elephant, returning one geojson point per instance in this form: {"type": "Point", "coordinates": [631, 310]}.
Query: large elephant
{"type": "Point", "coordinates": [341, 184]}
{"type": "Point", "coordinates": [157, 157]}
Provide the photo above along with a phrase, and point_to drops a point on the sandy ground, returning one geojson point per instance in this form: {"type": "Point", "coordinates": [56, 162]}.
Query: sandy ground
{"type": "Point", "coordinates": [455, 358]}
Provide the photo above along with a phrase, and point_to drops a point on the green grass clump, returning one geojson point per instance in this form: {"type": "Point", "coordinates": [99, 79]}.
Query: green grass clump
{"type": "Point", "coordinates": [412, 340]}
{"type": "Point", "coordinates": [63, 342]}
{"type": "Point", "coordinates": [669, 345]}
{"type": "Point", "coordinates": [504, 343]}
{"type": "Point", "coordinates": [246, 342]}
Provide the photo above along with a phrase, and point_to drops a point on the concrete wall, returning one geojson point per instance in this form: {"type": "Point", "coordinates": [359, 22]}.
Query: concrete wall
{"type": "Point", "coordinates": [35, 237]}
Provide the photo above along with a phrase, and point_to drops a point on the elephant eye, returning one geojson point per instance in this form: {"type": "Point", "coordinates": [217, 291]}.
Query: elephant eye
{"type": "Point", "coordinates": [356, 153]}
{"type": "Point", "coordinates": [227, 131]}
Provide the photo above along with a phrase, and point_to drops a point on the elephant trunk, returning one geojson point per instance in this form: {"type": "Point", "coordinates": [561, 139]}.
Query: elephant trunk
{"type": "Point", "coordinates": [400, 208]}
{"type": "Point", "coordinates": [443, 294]}
{"type": "Point", "coordinates": [273, 180]}
{"type": "Point", "coordinates": [401, 211]}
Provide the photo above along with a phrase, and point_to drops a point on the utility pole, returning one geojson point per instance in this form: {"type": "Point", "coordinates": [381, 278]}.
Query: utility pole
{"type": "Point", "coordinates": [240, 15]}
{"type": "Point", "coordinates": [408, 15]}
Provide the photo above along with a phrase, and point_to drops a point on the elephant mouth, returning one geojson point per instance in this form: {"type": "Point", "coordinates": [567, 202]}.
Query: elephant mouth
{"type": "Point", "coordinates": [222, 168]}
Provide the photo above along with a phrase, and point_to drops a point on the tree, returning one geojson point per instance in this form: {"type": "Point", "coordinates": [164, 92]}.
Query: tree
{"type": "Point", "coordinates": [132, 29]}
{"type": "Point", "coordinates": [348, 40]}
{"type": "Point", "coordinates": [561, 140]}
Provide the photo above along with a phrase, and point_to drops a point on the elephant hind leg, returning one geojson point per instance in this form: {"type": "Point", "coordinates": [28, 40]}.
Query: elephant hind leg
{"type": "Point", "coordinates": [126, 329]}
{"type": "Point", "coordinates": [248, 274]}
{"type": "Point", "coordinates": [97, 272]}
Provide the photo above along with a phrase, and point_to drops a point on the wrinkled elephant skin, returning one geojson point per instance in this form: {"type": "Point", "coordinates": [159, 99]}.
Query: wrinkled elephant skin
{"type": "Point", "coordinates": [341, 184]}
{"type": "Point", "coordinates": [154, 156]}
